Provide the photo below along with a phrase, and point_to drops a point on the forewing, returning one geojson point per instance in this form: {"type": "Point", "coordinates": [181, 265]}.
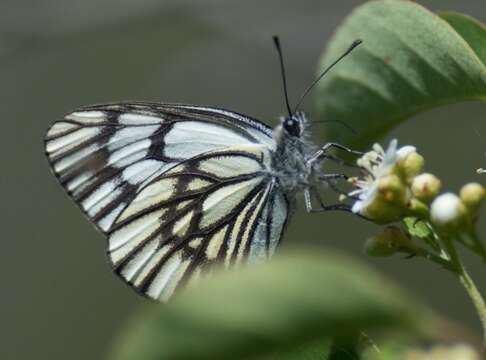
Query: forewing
{"type": "Point", "coordinates": [104, 154]}
{"type": "Point", "coordinates": [219, 207]}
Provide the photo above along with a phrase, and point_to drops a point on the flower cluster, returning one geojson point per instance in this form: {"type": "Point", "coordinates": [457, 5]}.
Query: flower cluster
{"type": "Point", "coordinates": [391, 183]}
{"type": "Point", "coordinates": [394, 187]}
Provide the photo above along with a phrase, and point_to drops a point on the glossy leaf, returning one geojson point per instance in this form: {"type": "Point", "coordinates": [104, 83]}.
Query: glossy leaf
{"type": "Point", "coordinates": [411, 60]}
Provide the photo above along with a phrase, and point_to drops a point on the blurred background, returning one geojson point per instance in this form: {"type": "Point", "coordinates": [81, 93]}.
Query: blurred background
{"type": "Point", "coordinates": [61, 300]}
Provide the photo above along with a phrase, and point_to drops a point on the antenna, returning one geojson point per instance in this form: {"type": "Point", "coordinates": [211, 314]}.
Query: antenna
{"type": "Point", "coordinates": [309, 88]}
{"type": "Point", "coordinates": [276, 41]}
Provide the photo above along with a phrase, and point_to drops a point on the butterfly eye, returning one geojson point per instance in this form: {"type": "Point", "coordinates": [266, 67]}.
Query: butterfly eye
{"type": "Point", "coordinates": [292, 126]}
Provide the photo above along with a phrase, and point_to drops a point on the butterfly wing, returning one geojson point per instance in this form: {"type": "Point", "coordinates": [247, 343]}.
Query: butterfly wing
{"type": "Point", "coordinates": [219, 207]}
{"type": "Point", "coordinates": [103, 154]}
{"type": "Point", "coordinates": [175, 187]}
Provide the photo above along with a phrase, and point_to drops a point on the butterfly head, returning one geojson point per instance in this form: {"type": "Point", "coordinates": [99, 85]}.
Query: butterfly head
{"type": "Point", "coordinates": [294, 124]}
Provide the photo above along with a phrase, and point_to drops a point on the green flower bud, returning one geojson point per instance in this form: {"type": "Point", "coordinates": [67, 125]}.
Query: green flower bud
{"type": "Point", "coordinates": [411, 165]}
{"type": "Point", "coordinates": [390, 241]}
{"type": "Point", "coordinates": [448, 212]}
{"type": "Point", "coordinates": [392, 190]}
{"type": "Point", "coordinates": [417, 208]}
{"type": "Point", "coordinates": [382, 212]}
{"type": "Point", "coordinates": [472, 195]}
{"type": "Point", "coordinates": [425, 187]}
{"type": "Point", "coordinates": [388, 203]}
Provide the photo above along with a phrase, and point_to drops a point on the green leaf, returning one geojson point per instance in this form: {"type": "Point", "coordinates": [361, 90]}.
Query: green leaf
{"type": "Point", "coordinates": [290, 305]}
{"type": "Point", "coordinates": [411, 60]}
{"type": "Point", "coordinates": [417, 228]}
{"type": "Point", "coordinates": [421, 230]}
{"type": "Point", "coordinates": [471, 30]}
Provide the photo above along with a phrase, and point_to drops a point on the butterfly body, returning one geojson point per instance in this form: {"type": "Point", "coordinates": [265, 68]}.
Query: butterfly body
{"type": "Point", "coordinates": [294, 151]}
{"type": "Point", "coordinates": [179, 188]}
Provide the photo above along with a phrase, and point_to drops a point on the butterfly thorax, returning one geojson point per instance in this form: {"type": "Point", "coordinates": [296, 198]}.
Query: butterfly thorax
{"type": "Point", "coordinates": [291, 158]}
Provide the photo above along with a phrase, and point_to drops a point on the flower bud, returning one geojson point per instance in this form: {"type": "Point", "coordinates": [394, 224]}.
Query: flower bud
{"type": "Point", "coordinates": [472, 195]}
{"type": "Point", "coordinates": [392, 189]}
{"type": "Point", "coordinates": [387, 203]}
{"type": "Point", "coordinates": [448, 212]}
{"type": "Point", "coordinates": [411, 163]}
{"type": "Point", "coordinates": [425, 187]}
{"type": "Point", "coordinates": [417, 208]}
{"type": "Point", "coordinates": [382, 212]}
{"type": "Point", "coordinates": [390, 241]}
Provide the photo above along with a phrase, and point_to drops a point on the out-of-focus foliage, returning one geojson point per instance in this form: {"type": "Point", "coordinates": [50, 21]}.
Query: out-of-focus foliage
{"type": "Point", "coordinates": [288, 307]}
{"type": "Point", "coordinates": [411, 60]}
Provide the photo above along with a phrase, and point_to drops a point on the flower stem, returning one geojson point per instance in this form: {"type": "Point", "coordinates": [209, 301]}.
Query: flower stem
{"type": "Point", "coordinates": [476, 298]}
{"type": "Point", "coordinates": [468, 284]}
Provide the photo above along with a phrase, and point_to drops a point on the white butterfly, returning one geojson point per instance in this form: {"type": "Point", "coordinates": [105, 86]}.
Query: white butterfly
{"type": "Point", "coordinates": [177, 188]}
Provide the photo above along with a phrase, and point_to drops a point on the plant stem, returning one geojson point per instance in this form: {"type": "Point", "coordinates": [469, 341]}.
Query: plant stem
{"type": "Point", "coordinates": [476, 298]}
{"type": "Point", "coordinates": [445, 263]}
{"type": "Point", "coordinates": [468, 284]}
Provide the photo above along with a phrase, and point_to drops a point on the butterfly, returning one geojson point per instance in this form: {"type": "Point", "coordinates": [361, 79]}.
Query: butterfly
{"type": "Point", "coordinates": [179, 188]}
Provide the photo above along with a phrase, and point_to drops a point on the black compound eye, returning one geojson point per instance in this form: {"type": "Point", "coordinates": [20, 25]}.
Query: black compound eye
{"type": "Point", "coordinates": [292, 126]}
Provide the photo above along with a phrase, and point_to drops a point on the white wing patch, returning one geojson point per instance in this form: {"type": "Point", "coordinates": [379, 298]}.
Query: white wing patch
{"type": "Point", "coordinates": [224, 200]}
{"type": "Point", "coordinates": [190, 138]}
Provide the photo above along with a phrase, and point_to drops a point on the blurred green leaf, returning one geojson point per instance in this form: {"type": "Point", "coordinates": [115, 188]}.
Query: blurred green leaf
{"type": "Point", "coordinates": [290, 305]}
{"type": "Point", "coordinates": [389, 349]}
{"type": "Point", "coordinates": [411, 60]}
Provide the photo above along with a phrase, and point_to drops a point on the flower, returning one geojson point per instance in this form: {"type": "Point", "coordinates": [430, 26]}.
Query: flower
{"type": "Point", "coordinates": [448, 211]}
{"type": "Point", "coordinates": [382, 193]}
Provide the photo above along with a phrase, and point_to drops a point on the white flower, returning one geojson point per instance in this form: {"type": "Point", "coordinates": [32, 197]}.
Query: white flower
{"type": "Point", "coordinates": [447, 209]}
{"type": "Point", "coordinates": [378, 164]}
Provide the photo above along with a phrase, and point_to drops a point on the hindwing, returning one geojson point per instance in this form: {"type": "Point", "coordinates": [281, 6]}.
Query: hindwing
{"type": "Point", "coordinates": [220, 207]}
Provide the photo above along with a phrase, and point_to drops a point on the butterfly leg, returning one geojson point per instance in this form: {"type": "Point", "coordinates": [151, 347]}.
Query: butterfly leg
{"type": "Point", "coordinates": [328, 179]}
{"type": "Point", "coordinates": [323, 207]}
{"type": "Point", "coordinates": [338, 161]}
{"type": "Point", "coordinates": [323, 151]}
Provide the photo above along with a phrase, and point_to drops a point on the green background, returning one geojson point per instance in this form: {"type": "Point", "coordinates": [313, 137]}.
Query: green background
{"type": "Point", "coordinates": [60, 299]}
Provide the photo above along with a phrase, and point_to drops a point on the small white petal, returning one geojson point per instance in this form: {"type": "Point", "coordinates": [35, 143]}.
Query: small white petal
{"type": "Point", "coordinates": [404, 151]}
{"type": "Point", "coordinates": [357, 207]}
